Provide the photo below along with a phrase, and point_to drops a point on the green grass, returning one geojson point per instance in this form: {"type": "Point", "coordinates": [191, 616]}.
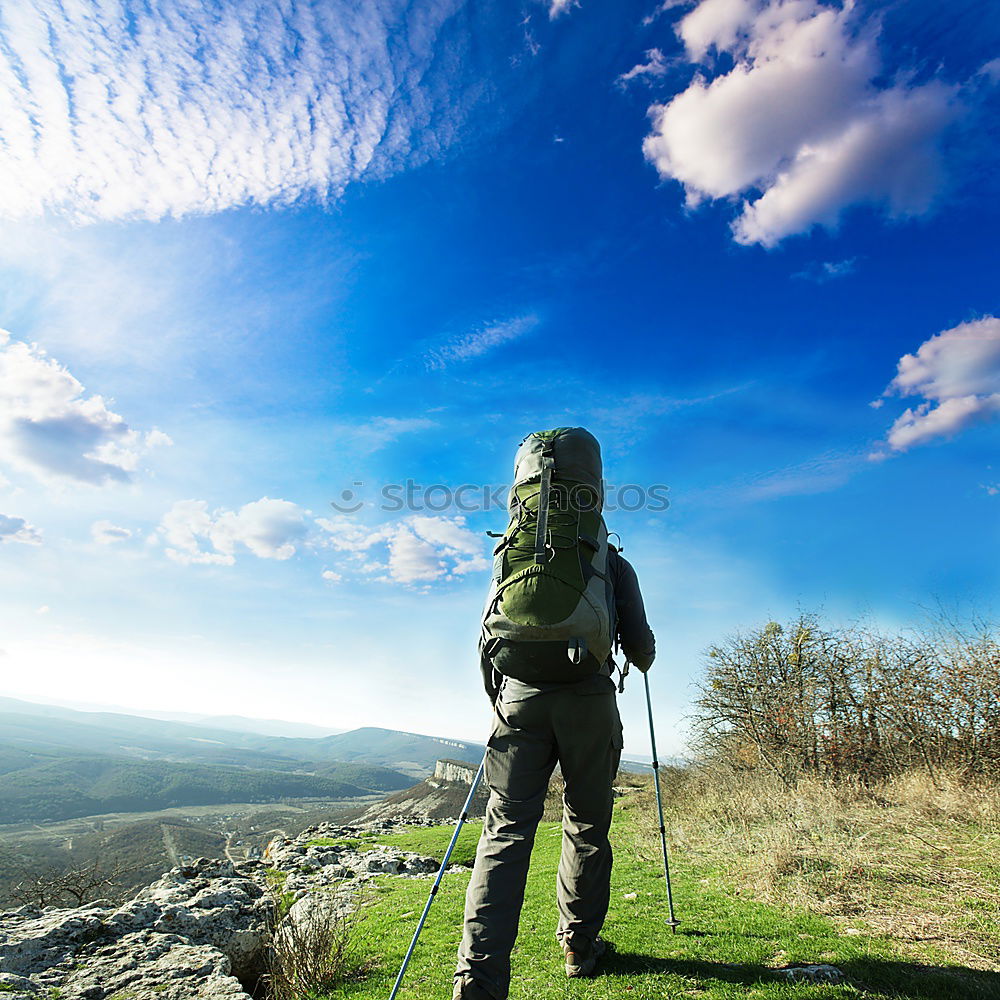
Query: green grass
{"type": "Point", "coordinates": [727, 946]}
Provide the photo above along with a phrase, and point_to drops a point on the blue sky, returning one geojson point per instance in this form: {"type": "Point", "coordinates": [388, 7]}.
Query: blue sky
{"type": "Point", "coordinates": [254, 254]}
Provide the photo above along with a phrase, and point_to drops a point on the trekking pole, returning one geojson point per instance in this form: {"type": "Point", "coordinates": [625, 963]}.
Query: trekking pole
{"type": "Point", "coordinates": [440, 875]}
{"type": "Point", "coordinates": [673, 921]}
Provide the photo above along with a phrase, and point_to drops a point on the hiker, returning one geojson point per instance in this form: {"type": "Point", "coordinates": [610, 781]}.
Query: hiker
{"type": "Point", "coordinates": [560, 596]}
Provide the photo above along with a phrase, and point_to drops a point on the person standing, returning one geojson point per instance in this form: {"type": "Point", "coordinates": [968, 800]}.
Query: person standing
{"type": "Point", "coordinates": [548, 673]}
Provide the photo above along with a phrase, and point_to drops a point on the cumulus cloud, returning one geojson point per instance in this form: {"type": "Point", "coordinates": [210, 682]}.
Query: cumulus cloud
{"type": "Point", "coordinates": [16, 529]}
{"type": "Point", "coordinates": [481, 341]}
{"type": "Point", "coordinates": [416, 549]}
{"type": "Point", "coordinates": [51, 427]}
{"type": "Point", "coordinates": [797, 122]}
{"type": "Point", "coordinates": [106, 533]}
{"type": "Point", "coordinates": [269, 529]}
{"type": "Point", "coordinates": [957, 372]}
{"type": "Point", "coordinates": [122, 110]}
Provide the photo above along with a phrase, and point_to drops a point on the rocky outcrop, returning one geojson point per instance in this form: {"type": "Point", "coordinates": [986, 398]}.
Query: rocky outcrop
{"type": "Point", "coordinates": [202, 931]}
{"type": "Point", "coordinates": [439, 798]}
{"type": "Point", "coordinates": [456, 771]}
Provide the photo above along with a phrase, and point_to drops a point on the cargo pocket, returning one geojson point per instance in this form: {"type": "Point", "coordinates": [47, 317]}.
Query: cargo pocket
{"type": "Point", "coordinates": [617, 744]}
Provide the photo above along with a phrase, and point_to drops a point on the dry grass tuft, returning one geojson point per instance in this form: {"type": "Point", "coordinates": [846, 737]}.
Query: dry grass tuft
{"type": "Point", "coordinates": [312, 952]}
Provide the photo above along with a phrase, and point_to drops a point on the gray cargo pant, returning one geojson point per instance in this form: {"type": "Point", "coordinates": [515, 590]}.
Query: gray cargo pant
{"type": "Point", "coordinates": [583, 732]}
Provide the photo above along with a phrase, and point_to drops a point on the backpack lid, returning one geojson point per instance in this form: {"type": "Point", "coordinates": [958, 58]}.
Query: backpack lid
{"type": "Point", "coordinates": [576, 457]}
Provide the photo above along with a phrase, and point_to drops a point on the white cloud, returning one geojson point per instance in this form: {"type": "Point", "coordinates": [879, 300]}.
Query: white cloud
{"type": "Point", "coordinates": [418, 549]}
{"type": "Point", "coordinates": [413, 559]}
{"type": "Point", "coordinates": [957, 372]}
{"type": "Point", "coordinates": [119, 111]}
{"type": "Point", "coordinates": [481, 341]}
{"type": "Point", "coordinates": [16, 529]}
{"type": "Point", "coordinates": [106, 533]}
{"type": "Point", "coordinates": [269, 529]}
{"type": "Point", "coordinates": [991, 70]}
{"type": "Point", "coordinates": [654, 66]}
{"type": "Point", "coordinates": [558, 7]}
{"type": "Point", "coordinates": [797, 123]}
{"type": "Point", "coordinates": [49, 426]}
{"type": "Point", "coordinates": [663, 8]}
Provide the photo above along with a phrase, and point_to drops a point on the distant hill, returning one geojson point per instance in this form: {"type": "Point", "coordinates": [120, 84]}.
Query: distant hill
{"type": "Point", "coordinates": [410, 753]}
{"type": "Point", "coordinates": [29, 727]}
{"type": "Point", "coordinates": [59, 763]}
{"type": "Point", "coordinates": [52, 787]}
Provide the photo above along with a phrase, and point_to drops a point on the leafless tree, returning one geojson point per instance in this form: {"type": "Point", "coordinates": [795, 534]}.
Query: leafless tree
{"type": "Point", "coordinates": [54, 886]}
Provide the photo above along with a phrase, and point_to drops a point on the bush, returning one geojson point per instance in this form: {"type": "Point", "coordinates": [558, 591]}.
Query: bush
{"type": "Point", "coordinates": [852, 703]}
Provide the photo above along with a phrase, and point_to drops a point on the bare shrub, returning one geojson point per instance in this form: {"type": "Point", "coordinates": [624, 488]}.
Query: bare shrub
{"type": "Point", "coordinates": [55, 886]}
{"type": "Point", "coordinates": [852, 703]}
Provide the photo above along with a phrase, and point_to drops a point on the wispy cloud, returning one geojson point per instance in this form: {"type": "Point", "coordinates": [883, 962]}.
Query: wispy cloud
{"type": "Point", "coordinates": [655, 66]}
{"type": "Point", "coordinates": [126, 110]}
{"type": "Point", "coordinates": [663, 8]}
{"type": "Point", "coordinates": [481, 341]}
{"type": "Point", "coordinates": [17, 529]}
{"type": "Point", "coordinates": [559, 7]}
{"type": "Point", "coordinates": [827, 270]}
{"type": "Point", "coordinates": [957, 372]}
{"type": "Point", "coordinates": [50, 427]}
{"type": "Point", "coordinates": [632, 412]}
{"type": "Point", "coordinates": [380, 431]}
{"type": "Point", "coordinates": [817, 475]}
{"type": "Point", "coordinates": [798, 122]}
{"type": "Point", "coordinates": [106, 533]}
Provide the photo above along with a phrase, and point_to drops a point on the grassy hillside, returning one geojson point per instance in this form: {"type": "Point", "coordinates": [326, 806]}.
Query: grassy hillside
{"type": "Point", "coordinates": [732, 942]}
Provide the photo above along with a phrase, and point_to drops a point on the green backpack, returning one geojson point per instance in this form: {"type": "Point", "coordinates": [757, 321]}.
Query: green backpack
{"type": "Point", "coordinates": [549, 616]}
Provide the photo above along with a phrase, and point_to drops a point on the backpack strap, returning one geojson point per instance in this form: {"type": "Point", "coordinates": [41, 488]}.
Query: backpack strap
{"type": "Point", "coordinates": [542, 523]}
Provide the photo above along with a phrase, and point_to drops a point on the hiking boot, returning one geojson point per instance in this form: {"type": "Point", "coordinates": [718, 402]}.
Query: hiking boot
{"type": "Point", "coordinates": [582, 956]}
{"type": "Point", "coordinates": [466, 988]}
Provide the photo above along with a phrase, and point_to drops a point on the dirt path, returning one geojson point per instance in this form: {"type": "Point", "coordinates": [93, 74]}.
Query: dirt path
{"type": "Point", "coordinates": [169, 844]}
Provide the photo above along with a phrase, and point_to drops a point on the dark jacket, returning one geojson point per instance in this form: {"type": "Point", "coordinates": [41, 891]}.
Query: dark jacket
{"type": "Point", "coordinates": [636, 636]}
